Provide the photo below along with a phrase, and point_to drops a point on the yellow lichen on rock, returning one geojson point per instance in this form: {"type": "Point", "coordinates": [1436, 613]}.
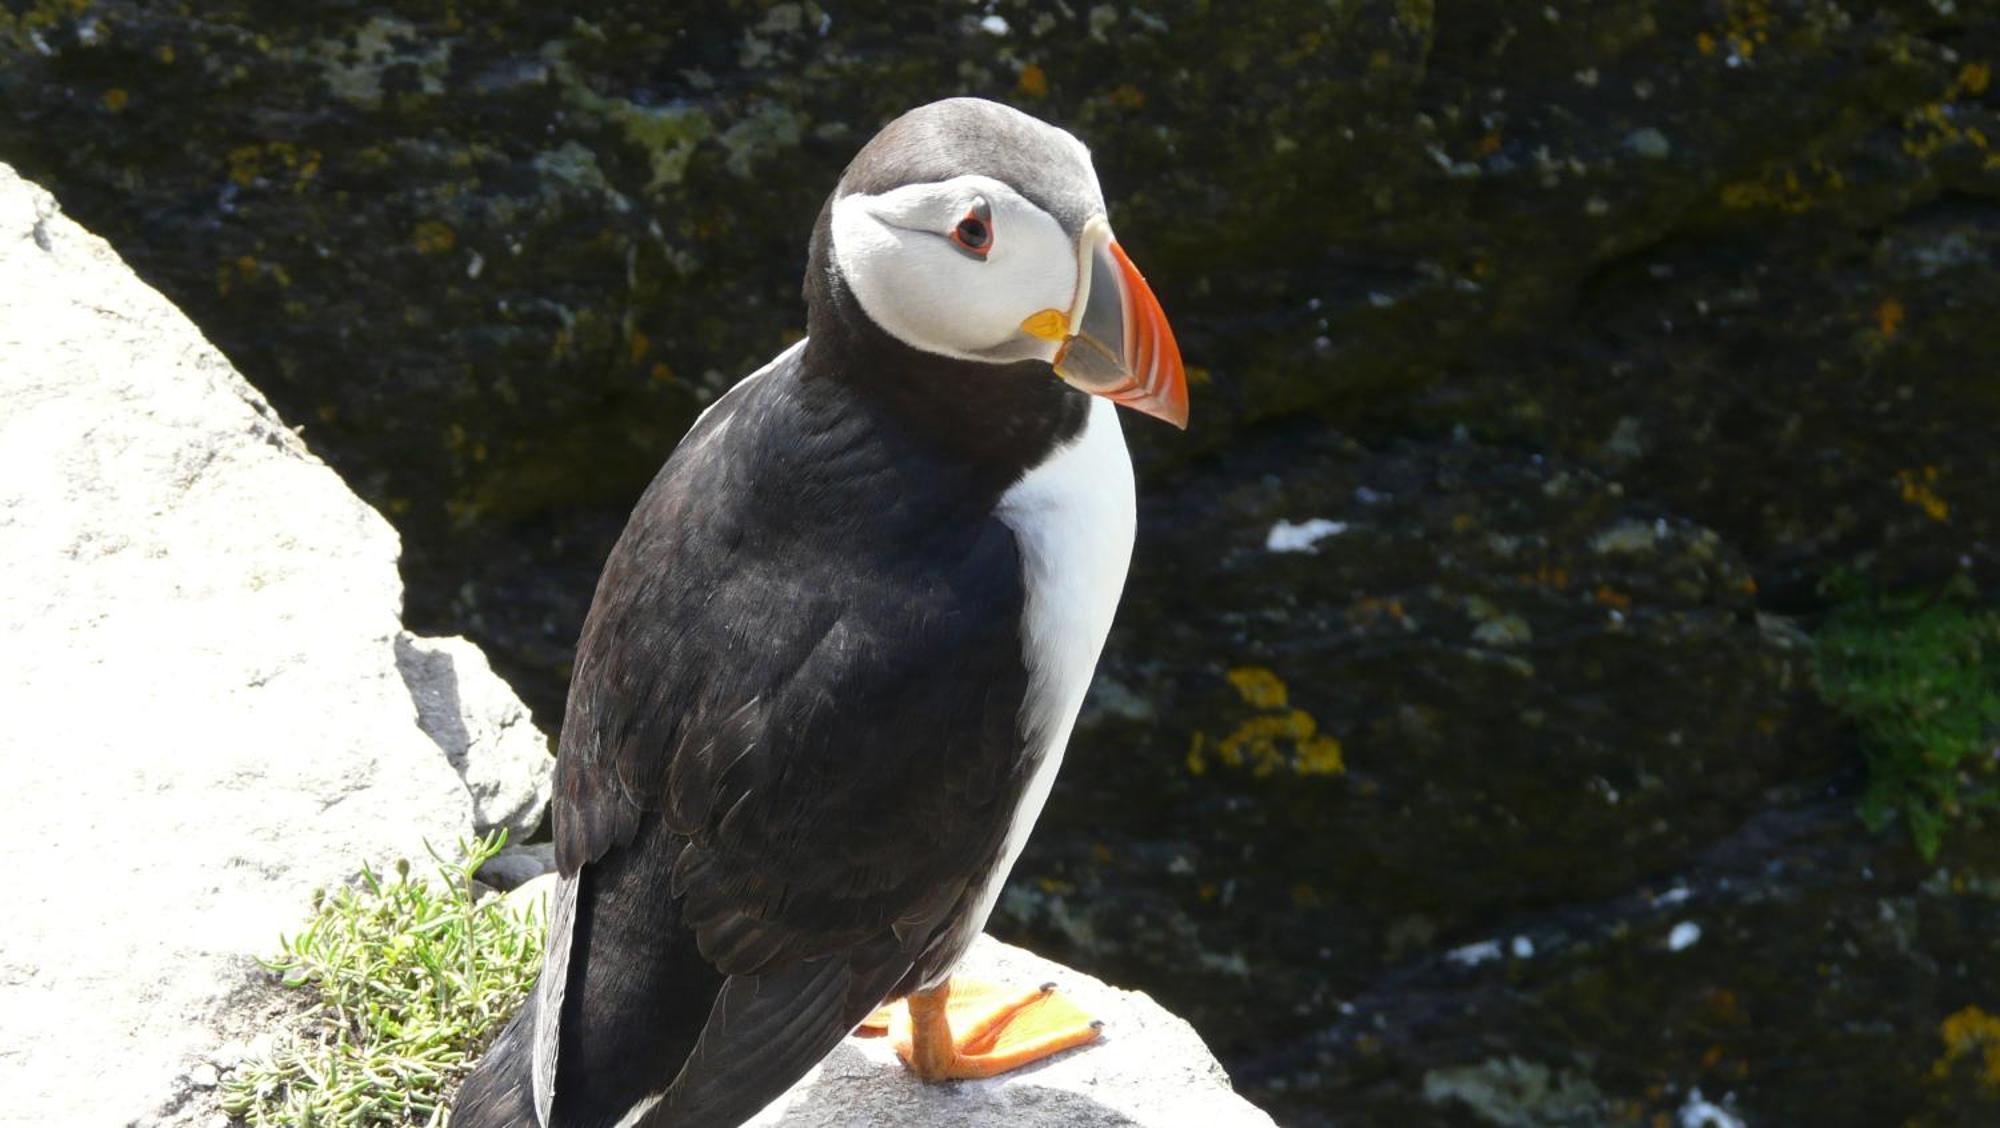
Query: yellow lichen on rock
{"type": "Point", "coordinates": [271, 163]}
{"type": "Point", "coordinates": [1935, 125]}
{"type": "Point", "coordinates": [1917, 489]}
{"type": "Point", "coordinates": [1792, 189]}
{"type": "Point", "coordinates": [433, 237]}
{"type": "Point", "coordinates": [1749, 25]}
{"type": "Point", "coordinates": [1280, 737]}
{"type": "Point", "coordinates": [1970, 1033]}
{"type": "Point", "coordinates": [1260, 687]}
{"type": "Point", "coordinates": [1889, 316]}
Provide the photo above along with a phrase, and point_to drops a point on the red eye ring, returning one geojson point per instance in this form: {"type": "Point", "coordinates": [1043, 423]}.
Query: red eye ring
{"type": "Point", "coordinates": [974, 233]}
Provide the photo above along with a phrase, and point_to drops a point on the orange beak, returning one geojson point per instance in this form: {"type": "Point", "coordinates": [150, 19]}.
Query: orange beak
{"type": "Point", "coordinates": [1115, 341]}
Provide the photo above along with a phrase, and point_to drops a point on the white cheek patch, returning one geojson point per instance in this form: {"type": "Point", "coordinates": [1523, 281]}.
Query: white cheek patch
{"type": "Point", "coordinates": [894, 253]}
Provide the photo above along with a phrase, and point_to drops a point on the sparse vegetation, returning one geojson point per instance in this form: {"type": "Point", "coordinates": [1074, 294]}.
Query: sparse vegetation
{"type": "Point", "coordinates": [1920, 676]}
{"type": "Point", "coordinates": [406, 976]}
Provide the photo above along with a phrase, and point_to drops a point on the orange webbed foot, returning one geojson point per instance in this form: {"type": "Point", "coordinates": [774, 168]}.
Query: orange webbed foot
{"type": "Point", "coordinates": [965, 1029]}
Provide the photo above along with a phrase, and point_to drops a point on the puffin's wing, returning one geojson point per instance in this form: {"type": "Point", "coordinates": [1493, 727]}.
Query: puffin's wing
{"type": "Point", "coordinates": [833, 778]}
{"type": "Point", "coordinates": [766, 1031]}
{"type": "Point", "coordinates": [788, 754]}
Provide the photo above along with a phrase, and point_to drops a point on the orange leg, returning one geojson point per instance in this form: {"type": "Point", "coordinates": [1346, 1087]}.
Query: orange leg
{"type": "Point", "coordinates": [965, 1029]}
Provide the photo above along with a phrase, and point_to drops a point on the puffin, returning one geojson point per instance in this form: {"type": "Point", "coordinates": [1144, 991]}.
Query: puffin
{"type": "Point", "coordinates": [833, 660]}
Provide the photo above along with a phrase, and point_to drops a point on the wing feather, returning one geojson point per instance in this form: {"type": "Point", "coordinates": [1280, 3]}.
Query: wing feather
{"type": "Point", "coordinates": [805, 712]}
{"type": "Point", "coordinates": [777, 1025]}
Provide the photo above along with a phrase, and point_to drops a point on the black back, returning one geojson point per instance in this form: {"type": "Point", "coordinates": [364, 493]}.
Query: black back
{"type": "Point", "coordinates": [793, 742]}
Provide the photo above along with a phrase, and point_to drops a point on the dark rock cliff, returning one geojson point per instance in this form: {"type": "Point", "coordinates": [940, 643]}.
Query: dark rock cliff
{"type": "Point", "coordinates": [1607, 331]}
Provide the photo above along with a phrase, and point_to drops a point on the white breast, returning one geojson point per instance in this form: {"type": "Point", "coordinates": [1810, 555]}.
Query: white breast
{"type": "Point", "coordinates": [1073, 518]}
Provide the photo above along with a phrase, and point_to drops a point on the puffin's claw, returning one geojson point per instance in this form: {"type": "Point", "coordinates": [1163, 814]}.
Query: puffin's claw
{"type": "Point", "coordinates": [965, 1029]}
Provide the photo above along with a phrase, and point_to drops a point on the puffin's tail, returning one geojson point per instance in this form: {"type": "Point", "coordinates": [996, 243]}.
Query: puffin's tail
{"type": "Point", "coordinates": [500, 1093]}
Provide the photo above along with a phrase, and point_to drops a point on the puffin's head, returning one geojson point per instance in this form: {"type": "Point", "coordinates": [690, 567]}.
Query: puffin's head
{"type": "Point", "coordinates": [973, 231]}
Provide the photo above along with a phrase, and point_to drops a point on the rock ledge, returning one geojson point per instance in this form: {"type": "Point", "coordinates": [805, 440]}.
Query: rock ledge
{"type": "Point", "coordinates": [198, 665]}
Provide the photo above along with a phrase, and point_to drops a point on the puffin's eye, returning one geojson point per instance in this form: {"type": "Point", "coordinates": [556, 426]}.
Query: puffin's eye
{"type": "Point", "coordinates": [974, 233]}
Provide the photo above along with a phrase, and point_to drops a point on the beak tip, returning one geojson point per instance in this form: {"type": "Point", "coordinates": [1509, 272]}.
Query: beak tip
{"type": "Point", "coordinates": [1176, 408]}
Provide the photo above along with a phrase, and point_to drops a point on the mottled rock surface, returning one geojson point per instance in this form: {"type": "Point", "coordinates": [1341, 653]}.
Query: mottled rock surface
{"type": "Point", "coordinates": [483, 730]}
{"type": "Point", "coordinates": [1503, 804]}
{"type": "Point", "coordinates": [204, 714]}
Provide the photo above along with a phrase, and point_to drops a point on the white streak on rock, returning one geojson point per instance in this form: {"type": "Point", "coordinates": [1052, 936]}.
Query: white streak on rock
{"type": "Point", "coordinates": [1685, 935]}
{"type": "Point", "coordinates": [1472, 955]}
{"type": "Point", "coordinates": [1699, 1112]}
{"type": "Point", "coordinates": [1287, 537]}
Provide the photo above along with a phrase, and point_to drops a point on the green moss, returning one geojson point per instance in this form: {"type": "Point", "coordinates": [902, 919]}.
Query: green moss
{"type": "Point", "coordinates": [1919, 675]}
{"type": "Point", "coordinates": [1511, 1091]}
{"type": "Point", "coordinates": [1418, 17]}
{"type": "Point", "coordinates": [355, 65]}
{"type": "Point", "coordinates": [24, 27]}
{"type": "Point", "coordinates": [666, 134]}
{"type": "Point", "coordinates": [769, 129]}
{"type": "Point", "coordinates": [403, 980]}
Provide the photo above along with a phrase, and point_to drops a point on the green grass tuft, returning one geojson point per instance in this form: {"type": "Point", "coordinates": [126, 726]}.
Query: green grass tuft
{"type": "Point", "coordinates": [1920, 677]}
{"type": "Point", "coordinates": [406, 977]}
